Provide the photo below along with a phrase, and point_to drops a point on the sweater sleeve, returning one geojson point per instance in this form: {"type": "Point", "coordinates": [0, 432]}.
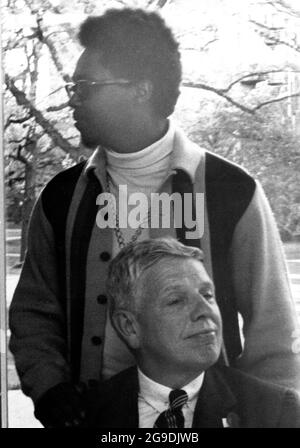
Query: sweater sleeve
{"type": "Point", "coordinates": [290, 411]}
{"type": "Point", "coordinates": [264, 299]}
{"type": "Point", "coordinates": [36, 317]}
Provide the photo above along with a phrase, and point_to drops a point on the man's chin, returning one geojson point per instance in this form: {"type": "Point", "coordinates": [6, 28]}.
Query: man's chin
{"type": "Point", "coordinates": [88, 142]}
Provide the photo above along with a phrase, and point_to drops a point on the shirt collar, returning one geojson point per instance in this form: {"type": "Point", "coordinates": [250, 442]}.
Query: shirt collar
{"type": "Point", "coordinates": [97, 163]}
{"type": "Point", "coordinates": [186, 156]}
{"type": "Point", "coordinates": [157, 395]}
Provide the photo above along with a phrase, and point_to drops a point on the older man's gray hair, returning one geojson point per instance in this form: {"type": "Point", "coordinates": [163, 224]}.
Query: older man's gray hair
{"type": "Point", "coordinates": [127, 267]}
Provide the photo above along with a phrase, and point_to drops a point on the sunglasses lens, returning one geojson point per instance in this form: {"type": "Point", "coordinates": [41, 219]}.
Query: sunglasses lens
{"type": "Point", "coordinates": [84, 89]}
{"type": "Point", "coordinates": [70, 89]}
{"type": "Point", "coordinates": [80, 88]}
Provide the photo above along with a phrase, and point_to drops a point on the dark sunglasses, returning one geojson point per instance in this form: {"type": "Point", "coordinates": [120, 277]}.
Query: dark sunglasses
{"type": "Point", "coordinates": [84, 88]}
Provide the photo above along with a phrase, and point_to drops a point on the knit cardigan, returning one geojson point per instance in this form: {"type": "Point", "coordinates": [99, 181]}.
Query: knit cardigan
{"type": "Point", "coordinates": [52, 315]}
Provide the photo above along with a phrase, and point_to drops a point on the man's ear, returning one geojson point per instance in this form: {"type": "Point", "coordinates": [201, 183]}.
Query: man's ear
{"type": "Point", "coordinates": [127, 326]}
{"type": "Point", "coordinates": [144, 91]}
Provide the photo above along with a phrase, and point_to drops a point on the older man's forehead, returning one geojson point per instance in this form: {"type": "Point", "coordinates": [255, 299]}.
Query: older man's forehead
{"type": "Point", "coordinates": [180, 271]}
{"type": "Point", "coordinates": [184, 284]}
{"type": "Point", "coordinates": [174, 281]}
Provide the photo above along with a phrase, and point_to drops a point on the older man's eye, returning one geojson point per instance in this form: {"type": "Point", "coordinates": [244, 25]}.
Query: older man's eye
{"type": "Point", "coordinates": [208, 296]}
{"type": "Point", "coordinates": [175, 301]}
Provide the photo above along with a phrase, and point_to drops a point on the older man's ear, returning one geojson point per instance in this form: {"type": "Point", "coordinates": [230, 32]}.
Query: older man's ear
{"type": "Point", "coordinates": [127, 327]}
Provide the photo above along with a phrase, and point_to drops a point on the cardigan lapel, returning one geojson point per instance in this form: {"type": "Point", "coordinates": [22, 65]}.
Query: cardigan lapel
{"type": "Point", "coordinates": [83, 226]}
{"type": "Point", "coordinates": [182, 184]}
{"type": "Point", "coordinates": [126, 408]}
{"type": "Point", "coordinates": [215, 403]}
{"type": "Point", "coordinates": [117, 405]}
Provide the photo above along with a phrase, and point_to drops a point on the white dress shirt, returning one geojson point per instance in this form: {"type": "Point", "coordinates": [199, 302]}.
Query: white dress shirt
{"type": "Point", "coordinates": [153, 399]}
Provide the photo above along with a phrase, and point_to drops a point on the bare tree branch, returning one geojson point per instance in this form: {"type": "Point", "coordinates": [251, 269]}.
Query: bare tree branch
{"type": "Point", "coordinates": [123, 2]}
{"type": "Point", "coordinates": [41, 35]}
{"type": "Point", "coordinates": [268, 28]}
{"type": "Point", "coordinates": [57, 108]}
{"type": "Point", "coordinates": [219, 92]}
{"type": "Point", "coordinates": [267, 33]}
{"type": "Point", "coordinates": [19, 157]}
{"type": "Point", "coordinates": [212, 41]}
{"type": "Point", "coordinates": [13, 140]}
{"type": "Point", "coordinates": [14, 180]}
{"type": "Point", "coordinates": [203, 47]}
{"type": "Point", "coordinates": [15, 42]}
{"type": "Point", "coordinates": [223, 93]}
{"type": "Point", "coordinates": [12, 120]}
{"type": "Point", "coordinates": [159, 4]}
{"type": "Point", "coordinates": [45, 39]}
{"type": "Point", "coordinates": [254, 74]}
{"type": "Point", "coordinates": [53, 133]}
{"type": "Point", "coordinates": [283, 7]}
{"type": "Point", "coordinates": [283, 42]}
{"type": "Point", "coordinates": [40, 7]}
{"type": "Point", "coordinates": [276, 100]}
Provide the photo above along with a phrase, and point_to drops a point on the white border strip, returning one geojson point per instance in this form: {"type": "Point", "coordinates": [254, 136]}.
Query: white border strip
{"type": "Point", "coordinates": [3, 308]}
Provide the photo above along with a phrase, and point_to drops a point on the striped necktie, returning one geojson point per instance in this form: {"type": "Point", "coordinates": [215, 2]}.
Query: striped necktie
{"type": "Point", "coordinates": [173, 416]}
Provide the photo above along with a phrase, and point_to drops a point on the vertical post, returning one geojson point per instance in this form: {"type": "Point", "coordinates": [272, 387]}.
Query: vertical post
{"type": "Point", "coordinates": [3, 310]}
{"type": "Point", "coordinates": [291, 91]}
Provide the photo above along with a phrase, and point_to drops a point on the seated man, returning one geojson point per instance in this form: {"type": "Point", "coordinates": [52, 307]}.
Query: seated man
{"type": "Point", "coordinates": [163, 307]}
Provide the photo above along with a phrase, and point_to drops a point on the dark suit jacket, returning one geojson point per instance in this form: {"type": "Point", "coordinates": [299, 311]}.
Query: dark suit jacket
{"type": "Point", "coordinates": [244, 401]}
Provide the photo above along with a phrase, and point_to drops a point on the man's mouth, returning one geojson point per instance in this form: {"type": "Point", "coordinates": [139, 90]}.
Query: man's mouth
{"type": "Point", "coordinates": [78, 117]}
{"type": "Point", "coordinates": [204, 333]}
{"type": "Point", "coordinates": [79, 123]}
{"type": "Point", "coordinates": [78, 126]}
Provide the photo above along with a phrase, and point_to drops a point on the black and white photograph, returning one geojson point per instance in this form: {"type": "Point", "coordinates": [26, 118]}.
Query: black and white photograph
{"type": "Point", "coordinates": [150, 216]}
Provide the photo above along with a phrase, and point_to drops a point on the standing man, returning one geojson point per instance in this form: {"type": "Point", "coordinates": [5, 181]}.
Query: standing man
{"type": "Point", "coordinates": [125, 87]}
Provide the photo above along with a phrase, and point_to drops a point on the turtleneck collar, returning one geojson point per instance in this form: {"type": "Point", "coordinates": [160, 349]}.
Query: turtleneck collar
{"type": "Point", "coordinates": [186, 155]}
{"type": "Point", "coordinates": [145, 161]}
{"type": "Point", "coordinates": [142, 171]}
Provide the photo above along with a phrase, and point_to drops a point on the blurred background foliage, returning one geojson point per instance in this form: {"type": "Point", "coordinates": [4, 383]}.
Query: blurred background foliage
{"type": "Point", "coordinates": [239, 98]}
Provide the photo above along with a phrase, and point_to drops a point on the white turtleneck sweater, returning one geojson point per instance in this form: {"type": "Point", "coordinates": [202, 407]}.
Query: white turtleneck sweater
{"type": "Point", "coordinates": [142, 172]}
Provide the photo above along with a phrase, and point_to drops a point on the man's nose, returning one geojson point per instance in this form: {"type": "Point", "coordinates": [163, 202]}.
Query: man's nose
{"type": "Point", "coordinates": [74, 100]}
{"type": "Point", "coordinates": [200, 307]}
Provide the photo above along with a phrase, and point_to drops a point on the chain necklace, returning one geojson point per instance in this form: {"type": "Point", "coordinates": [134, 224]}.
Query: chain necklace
{"type": "Point", "coordinates": [118, 231]}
